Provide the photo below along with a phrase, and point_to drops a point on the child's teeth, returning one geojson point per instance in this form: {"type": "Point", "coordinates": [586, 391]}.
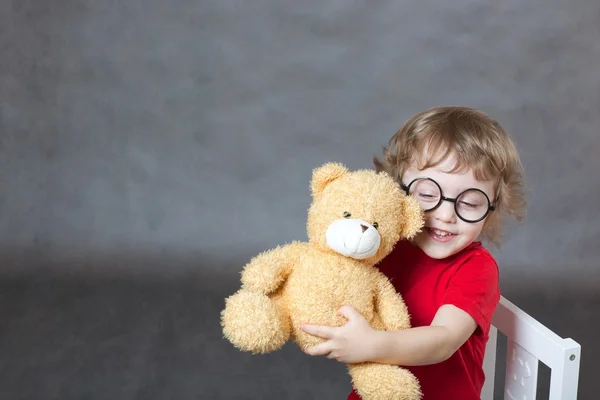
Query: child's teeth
{"type": "Point", "coordinates": [441, 233]}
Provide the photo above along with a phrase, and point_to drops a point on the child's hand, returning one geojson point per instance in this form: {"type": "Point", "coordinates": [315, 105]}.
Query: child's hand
{"type": "Point", "coordinates": [350, 343]}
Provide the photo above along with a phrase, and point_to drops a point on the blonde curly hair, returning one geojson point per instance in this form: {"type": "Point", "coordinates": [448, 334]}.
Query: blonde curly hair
{"type": "Point", "coordinates": [477, 142]}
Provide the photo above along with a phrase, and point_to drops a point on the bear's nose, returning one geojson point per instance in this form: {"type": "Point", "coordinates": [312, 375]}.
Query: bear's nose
{"type": "Point", "coordinates": [364, 227]}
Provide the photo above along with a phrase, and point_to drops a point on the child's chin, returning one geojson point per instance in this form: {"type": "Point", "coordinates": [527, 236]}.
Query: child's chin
{"type": "Point", "coordinates": [434, 249]}
{"type": "Point", "coordinates": [437, 254]}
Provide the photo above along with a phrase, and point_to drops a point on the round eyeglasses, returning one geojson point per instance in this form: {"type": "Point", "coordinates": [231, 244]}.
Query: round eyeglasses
{"type": "Point", "coordinates": [471, 205]}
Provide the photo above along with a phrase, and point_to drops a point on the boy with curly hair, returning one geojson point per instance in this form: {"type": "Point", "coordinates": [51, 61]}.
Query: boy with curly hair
{"type": "Point", "coordinates": [466, 173]}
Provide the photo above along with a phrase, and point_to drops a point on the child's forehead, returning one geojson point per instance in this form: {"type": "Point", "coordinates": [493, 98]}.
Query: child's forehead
{"type": "Point", "coordinates": [450, 162]}
{"type": "Point", "coordinates": [450, 175]}
{"type": "Point", "coordinates": [447, 163]}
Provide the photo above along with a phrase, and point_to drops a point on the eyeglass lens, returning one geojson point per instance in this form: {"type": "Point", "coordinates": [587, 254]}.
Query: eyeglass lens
{"type": "Point", "coordinates": [471, 205]}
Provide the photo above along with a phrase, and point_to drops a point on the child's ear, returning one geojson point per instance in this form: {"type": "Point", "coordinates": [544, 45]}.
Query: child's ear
{"type": "Point", "coordinates": [326, 174]}
{"type": "Point", "coordinates": [413, 217]}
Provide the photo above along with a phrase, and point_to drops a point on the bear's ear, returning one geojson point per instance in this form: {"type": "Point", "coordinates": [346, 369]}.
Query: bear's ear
{"type": "Point", "coordinates": [412, 217]}
{"type": "Point", "coordinates": [326, 174]}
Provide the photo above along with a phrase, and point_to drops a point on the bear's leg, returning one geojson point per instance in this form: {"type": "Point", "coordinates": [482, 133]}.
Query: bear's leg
{"type": "Point", "coordinates": [253, 322]}
{"type": "Point", "coordinates": [375, 381]}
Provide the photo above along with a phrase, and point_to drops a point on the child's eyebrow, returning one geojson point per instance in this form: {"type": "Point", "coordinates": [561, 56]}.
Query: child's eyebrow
{"type": "Point", "coordinates": [463, 188]}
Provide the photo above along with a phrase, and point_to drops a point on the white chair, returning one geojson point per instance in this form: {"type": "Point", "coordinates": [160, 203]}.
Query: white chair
{"type": "Point", "coordinates": [527, 343]}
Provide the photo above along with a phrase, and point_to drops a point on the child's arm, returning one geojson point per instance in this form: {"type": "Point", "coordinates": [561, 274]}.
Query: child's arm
{"type": "Point", "coordinates": [450, 329]}
{"type": "Point", "coordinates": [357, 342]}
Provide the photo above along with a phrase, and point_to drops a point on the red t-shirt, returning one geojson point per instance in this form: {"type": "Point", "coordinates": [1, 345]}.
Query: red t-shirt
{"type": "Point", "coordinates": [468, 280]}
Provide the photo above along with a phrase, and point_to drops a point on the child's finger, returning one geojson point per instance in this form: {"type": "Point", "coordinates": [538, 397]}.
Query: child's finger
{"type": "Point", "coordinates": [349, 313]}
{"type": "Point", "coordinates": [321, 349]}
{"type": "Point", "coordinates": [324, 332]}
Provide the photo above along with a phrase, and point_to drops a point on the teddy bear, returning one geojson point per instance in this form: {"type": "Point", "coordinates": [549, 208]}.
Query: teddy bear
{"type": "Point", "coordinates": [354, 220]}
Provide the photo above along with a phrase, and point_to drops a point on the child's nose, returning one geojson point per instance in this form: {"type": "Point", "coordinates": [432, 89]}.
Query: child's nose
{"type": "Point", "coordinates": [445, 212]}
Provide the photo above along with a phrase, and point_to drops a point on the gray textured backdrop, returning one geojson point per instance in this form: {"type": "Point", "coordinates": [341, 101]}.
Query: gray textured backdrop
{"type": "Point", "coordinates": [154, 138]}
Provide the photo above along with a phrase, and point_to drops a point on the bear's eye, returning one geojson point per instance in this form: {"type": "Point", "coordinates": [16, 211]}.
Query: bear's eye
{"type": "Point", "coordinates": [347, 214]}
{"type": "Point", "coordinates": [375, 225]}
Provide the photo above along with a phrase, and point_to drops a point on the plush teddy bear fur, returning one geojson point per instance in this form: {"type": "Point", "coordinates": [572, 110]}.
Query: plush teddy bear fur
{"type": "Point", "coordinates": [354, 221]}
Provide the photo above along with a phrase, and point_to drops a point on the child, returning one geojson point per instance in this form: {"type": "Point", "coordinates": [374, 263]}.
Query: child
{"type": "Point", "coordinates": [465, 171]}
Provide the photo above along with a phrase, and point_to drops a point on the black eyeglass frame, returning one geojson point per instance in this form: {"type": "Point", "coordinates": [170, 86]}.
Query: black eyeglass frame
{"type": "Point", "coordinates": [491, 207]}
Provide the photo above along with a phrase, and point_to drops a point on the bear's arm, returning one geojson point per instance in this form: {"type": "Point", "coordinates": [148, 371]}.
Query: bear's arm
{"type": "Point", "coordinates": [390, 306]}
{"type": "Point", "coordinates": [269, 270]}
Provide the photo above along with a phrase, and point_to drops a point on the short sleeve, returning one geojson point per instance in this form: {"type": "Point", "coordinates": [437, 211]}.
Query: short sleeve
{"type": "Point", "coordinates": [474, 288]}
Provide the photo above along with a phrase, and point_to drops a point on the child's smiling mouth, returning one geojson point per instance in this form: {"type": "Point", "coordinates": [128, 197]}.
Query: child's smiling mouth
{"type": "Point", "coordinates": [439, 234]}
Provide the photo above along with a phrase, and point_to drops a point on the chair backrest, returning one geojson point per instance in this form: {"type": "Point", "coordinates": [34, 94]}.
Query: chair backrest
{"type": "Point", "coordinates": [528, 342]}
